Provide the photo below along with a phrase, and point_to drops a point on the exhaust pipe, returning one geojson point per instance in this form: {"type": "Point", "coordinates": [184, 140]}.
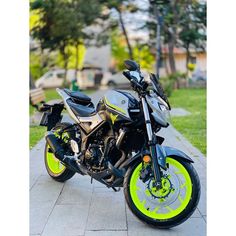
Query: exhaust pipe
{"type": "Point", "coordinates": [59, 152]}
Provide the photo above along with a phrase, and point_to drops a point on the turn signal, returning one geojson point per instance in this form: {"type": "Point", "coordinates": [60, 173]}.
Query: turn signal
{"type": "Point", "coordinates": [146, 158]}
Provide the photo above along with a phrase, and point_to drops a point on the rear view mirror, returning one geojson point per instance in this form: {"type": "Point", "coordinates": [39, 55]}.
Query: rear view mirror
{"type": "Point", "coordinates": [131, 65]}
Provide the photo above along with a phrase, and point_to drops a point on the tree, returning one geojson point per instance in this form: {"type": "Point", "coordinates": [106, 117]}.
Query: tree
{"type": "Point", "coordinates": [193, 29]}
{"type": "Point", "coordinates": [122, 6]}
{"type": "Point", "coordinates": [53, 32]}
{"type": "Point", "coordinates": [184, 23]}
{"type": "Point", "coordinates": [84, 14]}
{"type": "Point", "coordinates": [62, 25]}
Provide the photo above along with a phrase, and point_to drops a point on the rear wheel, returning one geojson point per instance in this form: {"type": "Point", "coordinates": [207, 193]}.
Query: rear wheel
{"type": "Point", "coordinates": [54, 167]}
{"type": "Point", "coordinates": [169, 206]}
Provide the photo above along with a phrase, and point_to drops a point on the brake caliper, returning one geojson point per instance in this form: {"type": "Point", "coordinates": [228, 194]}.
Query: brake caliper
{"type": "Point", "coordinates": [146, 173]}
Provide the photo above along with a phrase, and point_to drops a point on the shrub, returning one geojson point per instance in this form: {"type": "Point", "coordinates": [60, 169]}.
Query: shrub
{"type": "Point", "coordinates": [169, 81]}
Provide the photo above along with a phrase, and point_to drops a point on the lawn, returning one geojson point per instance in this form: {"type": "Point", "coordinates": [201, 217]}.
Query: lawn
{"type": "Point", "coordinates": [37, 132]}
{"type": "Point", "coordinates": [193, 126]}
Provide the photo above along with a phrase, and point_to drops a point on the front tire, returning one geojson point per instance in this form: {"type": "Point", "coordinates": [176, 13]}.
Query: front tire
{"type": "Point", "coordinates": [54, 167]}
{"type": "Point", "coordinates": [170, 206]}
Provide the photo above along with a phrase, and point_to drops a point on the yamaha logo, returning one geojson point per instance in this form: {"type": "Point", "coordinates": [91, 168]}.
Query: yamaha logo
{"type": "Point", "coordinates": [123, 102]}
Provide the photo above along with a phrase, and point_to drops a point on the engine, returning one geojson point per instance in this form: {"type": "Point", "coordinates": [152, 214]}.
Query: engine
{"type": "Point", "coordinates": [93, 155]}
{"type": "Point", "coordinates": [101, 149]}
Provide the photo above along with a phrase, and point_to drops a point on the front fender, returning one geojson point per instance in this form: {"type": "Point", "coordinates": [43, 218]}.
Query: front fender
{"type": "Point", "coordinates": [163, 152]}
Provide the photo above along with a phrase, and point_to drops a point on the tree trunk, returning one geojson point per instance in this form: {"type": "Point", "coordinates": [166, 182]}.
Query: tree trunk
{"type": "Point", "coordinates": [187, 58]}
{"type": "Point", "coordinates": [187, 62]}
{"type": "Point", "coordinates": [65, 59]}
{"type": "Point", "coordinates": [171, 56]}
{"type": "Point", "coordinates": [125, 34]}
{"type": "Point", "coordinates": [76, 59]}
{"type": "Point", "coordinates": [166, 66]}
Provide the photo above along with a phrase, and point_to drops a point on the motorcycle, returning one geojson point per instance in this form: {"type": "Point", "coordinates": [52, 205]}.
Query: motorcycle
{"type": "Point", "coordinates": [117, 144]}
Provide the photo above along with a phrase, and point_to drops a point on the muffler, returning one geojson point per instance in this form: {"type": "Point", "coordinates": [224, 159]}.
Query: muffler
{"type": "Point", "coordinates": [59, 152]}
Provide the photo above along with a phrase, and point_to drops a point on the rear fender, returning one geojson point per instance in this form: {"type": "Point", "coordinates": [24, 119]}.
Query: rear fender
{"type": "Point", "coordinates": [52, 115]}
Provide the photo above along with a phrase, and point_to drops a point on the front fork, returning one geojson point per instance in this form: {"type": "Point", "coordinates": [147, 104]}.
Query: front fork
{"type": "Point", "coordinates": [152, 144]}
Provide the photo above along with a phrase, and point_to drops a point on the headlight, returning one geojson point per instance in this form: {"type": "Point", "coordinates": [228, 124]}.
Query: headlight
{"type": "Point", "coordinates": [163, 107]}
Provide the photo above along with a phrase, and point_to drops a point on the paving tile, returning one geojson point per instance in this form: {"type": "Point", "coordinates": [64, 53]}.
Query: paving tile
{"type": "Point", "coordinates": [66, 220]}
{"type": "Point", "coordinates": [107, 211]}
{"type": "Point", "coordinates": [105, 233]}
{"type": "Point", "coordinates": [193, 227]}
{"type": "Point", "coordinates": [43, 196]}
{"type": "Point", "coordinates": [76, 191]}
{"type": "Point", "coordinates": [202, 202]}
{"type": "Point", "coordinates": [205, 218]}
{"type": "Point", "coordinates": [36, 162]}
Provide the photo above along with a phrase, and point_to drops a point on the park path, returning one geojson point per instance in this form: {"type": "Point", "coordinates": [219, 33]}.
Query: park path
{"type": "Point", "coordinates": [79, 208]}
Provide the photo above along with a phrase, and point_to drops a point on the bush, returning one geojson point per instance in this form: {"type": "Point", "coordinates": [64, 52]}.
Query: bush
{"type": "Point", "coordinates": [167, 85]}
{"type": "Point", "coordinates": [169, 81]}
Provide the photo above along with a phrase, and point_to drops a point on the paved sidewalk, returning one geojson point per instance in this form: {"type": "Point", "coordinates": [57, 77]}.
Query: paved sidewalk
{"type": "Point", "coordinates": [79, 208]}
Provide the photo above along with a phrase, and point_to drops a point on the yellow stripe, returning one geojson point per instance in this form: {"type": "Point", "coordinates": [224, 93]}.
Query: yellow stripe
{"type": "Point", "coordinates": [115, 107]}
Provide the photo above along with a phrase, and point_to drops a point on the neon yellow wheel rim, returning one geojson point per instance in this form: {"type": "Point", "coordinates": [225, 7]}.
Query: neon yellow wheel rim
{"type": "Point", "coordinates": [162, 208]}
{"type": "Point", "coordinates": [54, 165]}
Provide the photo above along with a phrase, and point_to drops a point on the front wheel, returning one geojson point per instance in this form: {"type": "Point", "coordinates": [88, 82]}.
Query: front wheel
{"type": "Point", "coordinates": [169, 206]}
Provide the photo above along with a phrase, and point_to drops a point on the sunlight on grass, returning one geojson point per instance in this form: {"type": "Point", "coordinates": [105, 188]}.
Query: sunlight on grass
{"type": "Point", "coordinates": [36, 133]}
{"type": "Point", "coordinates": [193, 127]}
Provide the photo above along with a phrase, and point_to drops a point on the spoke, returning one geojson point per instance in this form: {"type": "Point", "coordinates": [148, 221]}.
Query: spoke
{"type": "Point", "coordinates": [136, 188]}
{"type": "Point", "coordinates": [161, 200]}
{"type": "Point", "coordinates": [183, 185]}
{"type": "Point", "coordinates": [143, 202]}
{"type": "Point", "coordinates": [156, 209]}
{"type": "Point", "coordinates": [180, 199]}
{"type": "Point", "coordinates": [169, 208]}
{"type": "Point", "coordinates": [147, 193]}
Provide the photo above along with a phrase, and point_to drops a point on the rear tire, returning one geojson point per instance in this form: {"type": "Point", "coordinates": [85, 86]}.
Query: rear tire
{"type": "Point", "coordinates": [55, 169]}
{"type": "Point", "coordinates": [164, 223]}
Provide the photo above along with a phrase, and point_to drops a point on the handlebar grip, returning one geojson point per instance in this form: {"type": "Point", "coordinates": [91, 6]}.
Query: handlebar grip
{"type": "Point", "coordinates": [127, 75]}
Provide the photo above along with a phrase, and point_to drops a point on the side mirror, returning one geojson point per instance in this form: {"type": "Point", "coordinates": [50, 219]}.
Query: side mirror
{"type": "Point", "coordinates": [131, 65]}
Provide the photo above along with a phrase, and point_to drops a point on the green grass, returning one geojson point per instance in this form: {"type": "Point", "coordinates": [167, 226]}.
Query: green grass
{"type": "Point", "coordinates": [36, 133]}
{"type": "Point", "coordinates": [51, 94]}
{"type": "Point", "coordinates": [193, 127]}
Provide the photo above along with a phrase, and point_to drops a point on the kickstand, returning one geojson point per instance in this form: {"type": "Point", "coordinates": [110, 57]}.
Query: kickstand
{"type": "Point", "coordinates": [116, 189]}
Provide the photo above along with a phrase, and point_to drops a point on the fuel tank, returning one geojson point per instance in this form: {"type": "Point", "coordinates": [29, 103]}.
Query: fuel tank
{"type": "Point", "coordinates": [120, 106]}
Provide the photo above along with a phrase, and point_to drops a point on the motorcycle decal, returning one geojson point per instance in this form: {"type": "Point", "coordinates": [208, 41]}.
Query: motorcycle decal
{"type": "Point", "coordinates": [113, 118]}
{"type": "Point", "coordinates": [118, 102]}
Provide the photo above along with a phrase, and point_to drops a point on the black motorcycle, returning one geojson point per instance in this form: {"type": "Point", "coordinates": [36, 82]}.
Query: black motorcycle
{"type": "Point", "coordinates": [117, 144]}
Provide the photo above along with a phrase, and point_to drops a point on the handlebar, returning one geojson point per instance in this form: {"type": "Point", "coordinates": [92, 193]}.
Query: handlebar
{"type": "Point", "coordinates": [137, 86]}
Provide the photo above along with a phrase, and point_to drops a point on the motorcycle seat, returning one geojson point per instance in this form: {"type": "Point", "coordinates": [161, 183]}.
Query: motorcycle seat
{"type": "Point", "coordinates": [78, 97]}
{"type": "Point", "coordinates": [80, 110]}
